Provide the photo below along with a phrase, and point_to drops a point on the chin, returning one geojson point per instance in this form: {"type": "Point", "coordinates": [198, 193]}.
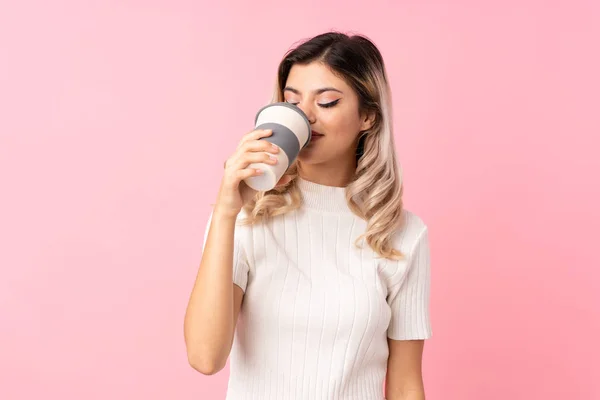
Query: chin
{"type": "Point", "coordinates": [308, 158]}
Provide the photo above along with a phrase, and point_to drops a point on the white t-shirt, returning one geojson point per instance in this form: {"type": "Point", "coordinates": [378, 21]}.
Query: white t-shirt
{"type": "Point", "coordinates": [317, 311]}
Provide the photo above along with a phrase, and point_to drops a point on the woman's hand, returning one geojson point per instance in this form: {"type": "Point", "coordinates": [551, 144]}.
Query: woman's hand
{"type": "Point", "coordinates": [234, 192]}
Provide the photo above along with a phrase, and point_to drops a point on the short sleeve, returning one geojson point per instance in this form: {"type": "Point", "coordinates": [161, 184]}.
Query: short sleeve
{"type": "Point", "coordinates": [240, 261]}
{"type": "Point", "coordinates": [409, 299]}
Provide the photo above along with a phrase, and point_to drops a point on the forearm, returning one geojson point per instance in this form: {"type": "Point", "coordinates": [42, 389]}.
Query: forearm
{"type": "Point", "coordinates": [209, 324]}
{"type": "Point", "coordinates": [409, 395]}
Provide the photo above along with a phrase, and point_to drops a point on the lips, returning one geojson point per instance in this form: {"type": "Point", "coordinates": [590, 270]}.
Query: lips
{"type": "Point", "coordinates": [315, 133]}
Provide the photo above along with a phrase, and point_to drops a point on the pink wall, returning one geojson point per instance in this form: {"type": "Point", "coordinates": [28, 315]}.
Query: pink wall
{"type": "Point", "coordinates": [116, 117]}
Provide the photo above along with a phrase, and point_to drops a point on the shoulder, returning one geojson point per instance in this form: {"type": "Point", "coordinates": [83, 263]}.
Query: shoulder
{"type": "Point", "coordinates": [412, 223]}
{"type": "Point", "coordinates": [411, 231]}
{"type": "Point", "coordinates": [241, 223]}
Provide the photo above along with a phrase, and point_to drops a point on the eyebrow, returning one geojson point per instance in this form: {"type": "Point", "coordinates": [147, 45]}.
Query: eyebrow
{"type": "Point", "coordinates": [318, 91]}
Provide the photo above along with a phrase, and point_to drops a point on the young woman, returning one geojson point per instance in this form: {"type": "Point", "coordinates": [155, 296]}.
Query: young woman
{"type": "Point", "coordinates": [318, 288]}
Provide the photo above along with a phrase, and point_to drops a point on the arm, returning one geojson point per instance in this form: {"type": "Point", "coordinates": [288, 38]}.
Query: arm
{"type": "Point", "coordinates": [404, 379]}
{"type": "Point", "coordinates": [215, 302]}
{"type": "Point", "coordinates": [216, 298]}
{"type": "Point", "coordinates": [410, 325]}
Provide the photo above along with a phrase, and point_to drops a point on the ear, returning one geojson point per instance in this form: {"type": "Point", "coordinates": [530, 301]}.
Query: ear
{"type": "Point", "coordinates": [367, 120]}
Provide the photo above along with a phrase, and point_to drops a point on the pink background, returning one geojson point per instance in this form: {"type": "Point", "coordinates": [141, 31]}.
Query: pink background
{"type": "Point", "coordinates": [116, 117]}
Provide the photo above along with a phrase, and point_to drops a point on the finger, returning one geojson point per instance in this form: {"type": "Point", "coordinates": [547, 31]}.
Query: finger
{"type": "Point", "coordinates": [255, 135]}
{"type": "Point", "coordinates": [238, 162]}
{"type": "Point", "coordinates": [253, 157]}
{"type": "Point", "coordinates": [246, 173]}
{"type": "Point", "coordinates": [259, 145]}
{"type": "Point", "coordinates": [253, 146]}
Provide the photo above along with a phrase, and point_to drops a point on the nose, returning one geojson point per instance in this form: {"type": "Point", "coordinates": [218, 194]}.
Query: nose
{"type": "Point", "coordinates": [309, 112]}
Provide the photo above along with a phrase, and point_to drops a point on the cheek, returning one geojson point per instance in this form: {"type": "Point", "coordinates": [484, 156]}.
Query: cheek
{"type": "Point", "coordinates": [342, 125]}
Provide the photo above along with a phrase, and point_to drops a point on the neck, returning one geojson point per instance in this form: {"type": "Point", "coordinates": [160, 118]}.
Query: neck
{"type": "Point", "coordinates": [328, 174]}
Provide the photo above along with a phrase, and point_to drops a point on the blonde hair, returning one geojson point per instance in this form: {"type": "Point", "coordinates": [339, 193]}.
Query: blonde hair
{"type": "Point", "coordinates": [375, 192]}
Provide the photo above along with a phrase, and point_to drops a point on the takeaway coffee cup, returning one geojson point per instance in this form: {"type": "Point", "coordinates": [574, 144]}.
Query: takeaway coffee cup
{"type": "Point", "coordinates": [291, 133]}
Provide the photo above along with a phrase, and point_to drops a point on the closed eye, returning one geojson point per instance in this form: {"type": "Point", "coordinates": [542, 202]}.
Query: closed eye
{"type": "Point", "coordinates": [331, 104]}
{"type": "Point", "coordinates": [326, 105]}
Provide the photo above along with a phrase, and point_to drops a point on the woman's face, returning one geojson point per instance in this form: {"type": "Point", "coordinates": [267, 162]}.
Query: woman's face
{"type": "Point", "coordinates": [332, 107]}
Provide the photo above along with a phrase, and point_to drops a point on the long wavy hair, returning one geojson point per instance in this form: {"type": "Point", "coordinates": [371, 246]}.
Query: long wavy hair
{"type": "Point", "coordinates": [375, 192]}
